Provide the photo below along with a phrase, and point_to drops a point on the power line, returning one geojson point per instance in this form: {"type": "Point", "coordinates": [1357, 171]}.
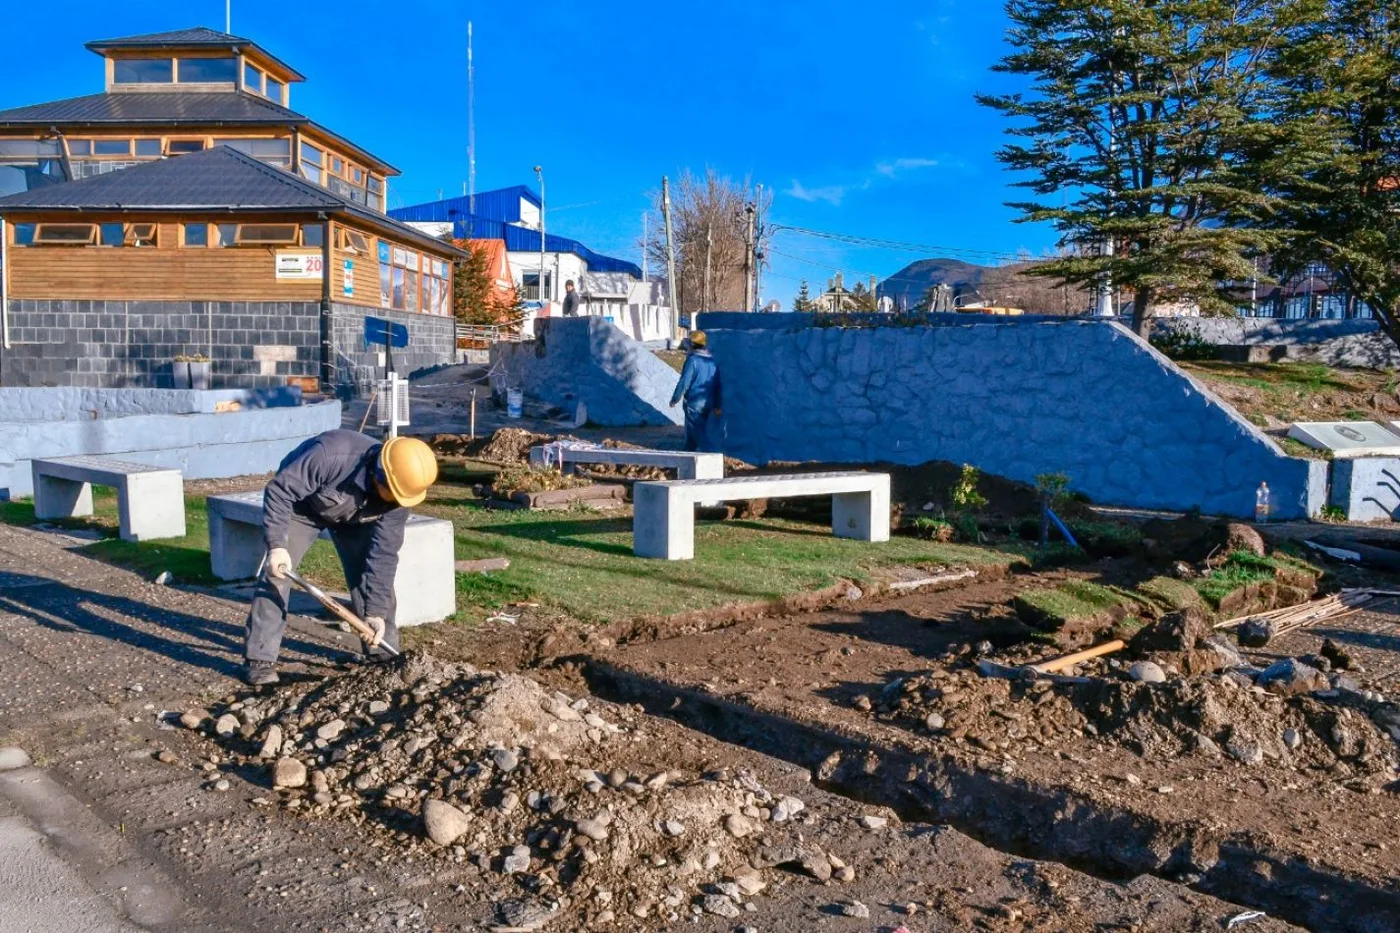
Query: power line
{"type": "Point", "coordinates": [880, 243]}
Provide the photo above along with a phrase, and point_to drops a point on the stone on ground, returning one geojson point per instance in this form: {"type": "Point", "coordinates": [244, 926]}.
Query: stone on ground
{"type": "Point", "coordinates": [444, 822]}
{"type": "Point", "coordinates": [288, 772]}
{"type": "Point", "coordinates": [12, 757]}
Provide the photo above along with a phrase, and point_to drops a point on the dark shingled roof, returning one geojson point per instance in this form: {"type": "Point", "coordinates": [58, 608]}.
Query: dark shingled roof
{"type": "Point", "coordinates": [185, 38]}
{"type": "Point", "coordinates": [154, 107]}
{"type": "Point", "coordinates": [173, 108]}
{"type": "Point", "coordinates": [219, 179]}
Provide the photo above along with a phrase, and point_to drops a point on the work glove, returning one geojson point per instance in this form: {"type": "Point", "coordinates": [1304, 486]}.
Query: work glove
{"type": "Point", "coordinates": [279, 563]}
{"type": "Point", "coordinates": [376, 625]}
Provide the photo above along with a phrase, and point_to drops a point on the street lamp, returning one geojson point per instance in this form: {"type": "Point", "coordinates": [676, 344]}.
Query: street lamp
{"type": "Point", "coordinates": [539, 173]}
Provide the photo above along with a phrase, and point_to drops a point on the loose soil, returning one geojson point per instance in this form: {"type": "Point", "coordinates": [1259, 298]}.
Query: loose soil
{"type": "Point", "coordinates": [575, 813]}
{"type": "Point", "coordinates": [1196, 779]}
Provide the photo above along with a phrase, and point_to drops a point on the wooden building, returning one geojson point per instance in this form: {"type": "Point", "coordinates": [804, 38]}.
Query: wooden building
{"type": "Point", "coordinates": [186, 211]}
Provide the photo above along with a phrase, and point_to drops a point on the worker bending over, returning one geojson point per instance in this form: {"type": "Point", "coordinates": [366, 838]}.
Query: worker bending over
{"type": "Point", "coordinates": [701, 388]}
{"type": "Point", "coordinates": [358, 489]}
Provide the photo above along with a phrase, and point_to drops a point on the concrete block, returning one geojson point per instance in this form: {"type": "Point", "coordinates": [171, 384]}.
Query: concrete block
{"type": "Point", "coordinates": [150, 500]}
{"type": "Point", "coordinates": [1367, 488]}
{"type": "Point", "coordinates": [663, 526]}
{"type": "Point", "coordinates": [1347, 438]}
{"type": "Point", "coordinates": [425, 587]}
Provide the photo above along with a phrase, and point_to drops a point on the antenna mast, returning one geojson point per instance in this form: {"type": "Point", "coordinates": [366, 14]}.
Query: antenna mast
{"type": "Point", "coordinates": [228, 16]}
{"type": "Point", "coordinates": [471, 125]}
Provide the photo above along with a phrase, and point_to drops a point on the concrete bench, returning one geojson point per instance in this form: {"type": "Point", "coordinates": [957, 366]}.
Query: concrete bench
{"type": "Point", "coordinates": [425, 587]}
{"type": "Point", "coordinates": [688, 465]}
{"type": "Point", "coordinates": [150, 500]}
{"type": "Point", "coordinates": [663, 525]}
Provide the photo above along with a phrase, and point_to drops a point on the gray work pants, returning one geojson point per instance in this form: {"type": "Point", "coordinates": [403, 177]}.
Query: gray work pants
{"type": "Point", "coordinates": [268, 617]}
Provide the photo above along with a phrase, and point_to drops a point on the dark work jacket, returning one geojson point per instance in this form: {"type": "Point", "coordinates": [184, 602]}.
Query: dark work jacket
{"type": "Point", "coordinates": [571, 304]}
{"type": "Point", "coordinates": [700, 384]}
{"type": "Point", "coordinates": [328, 481]}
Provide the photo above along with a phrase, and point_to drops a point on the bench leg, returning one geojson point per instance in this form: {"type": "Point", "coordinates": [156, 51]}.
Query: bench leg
{"type": "Point", "coordinates": [152, 505]}
{"type": "Point", "coordinates": [705, 466]}
{"type": "Point", "coordinates": [425, 588]}
{"type": "Point", "coordinates": [61, 498]}
{"type": "Point", "coordinates": [235, 548]}
{"type": "Point", "coordinates": [864, 516]}
{"type": "Point", "coordinates": [663, 525]}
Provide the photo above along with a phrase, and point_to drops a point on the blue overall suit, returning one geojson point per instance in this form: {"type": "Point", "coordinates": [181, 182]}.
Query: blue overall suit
{"type": "Point", "coordinates": [702, 390]}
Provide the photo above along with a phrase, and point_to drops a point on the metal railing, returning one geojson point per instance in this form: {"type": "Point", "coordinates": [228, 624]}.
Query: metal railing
{"type": "Point", "coordinates": [482, 336]}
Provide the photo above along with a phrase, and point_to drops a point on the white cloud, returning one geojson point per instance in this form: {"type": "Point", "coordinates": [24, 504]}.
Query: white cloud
{"type": "Point", "coordinates": [831, 194]}
{"type": "Point", "coordinates": [894, 167]}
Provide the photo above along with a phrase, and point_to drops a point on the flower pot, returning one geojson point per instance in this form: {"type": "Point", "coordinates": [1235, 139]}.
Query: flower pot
{"type": "Point", "coordinates": [181, 374]}
{"type": "Point", "coordinates": [199, 375]}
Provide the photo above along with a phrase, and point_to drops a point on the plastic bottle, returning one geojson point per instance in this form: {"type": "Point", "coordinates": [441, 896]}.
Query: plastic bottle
{"type": "Point", "coordinates": [1261, 503]}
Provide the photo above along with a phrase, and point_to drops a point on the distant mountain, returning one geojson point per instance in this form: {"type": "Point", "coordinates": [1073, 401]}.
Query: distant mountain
{"type": "Point", "coordinates": [907, 286]}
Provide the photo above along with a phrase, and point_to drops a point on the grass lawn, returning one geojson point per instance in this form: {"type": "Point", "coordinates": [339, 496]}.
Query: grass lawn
{"type": "Point", "coordinates": [576, 562]}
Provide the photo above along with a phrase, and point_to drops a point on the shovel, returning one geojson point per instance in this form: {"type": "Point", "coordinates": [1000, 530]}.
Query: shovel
{"type": "Point", "coordinates": [349, 618]}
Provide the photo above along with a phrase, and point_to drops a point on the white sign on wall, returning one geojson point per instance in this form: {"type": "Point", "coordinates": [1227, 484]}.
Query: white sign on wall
{"type": "Point", "coordinates": [304, 266]}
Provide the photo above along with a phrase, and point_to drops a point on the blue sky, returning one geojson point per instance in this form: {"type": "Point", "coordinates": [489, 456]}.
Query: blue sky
{"type": "Point", "coordinates": [859, 117]}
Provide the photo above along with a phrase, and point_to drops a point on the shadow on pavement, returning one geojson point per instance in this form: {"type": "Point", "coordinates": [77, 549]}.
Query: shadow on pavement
{"type": "Point", "coordinates": [179, 636]}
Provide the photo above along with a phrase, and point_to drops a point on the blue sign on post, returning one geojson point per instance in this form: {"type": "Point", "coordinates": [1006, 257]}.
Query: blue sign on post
{"type": "Point", "coordinates": [378, 330]}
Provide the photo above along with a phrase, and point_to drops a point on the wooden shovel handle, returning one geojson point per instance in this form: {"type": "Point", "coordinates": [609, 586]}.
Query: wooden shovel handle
{"type": "Point", "coordinates": [356, 624]}
{"type": "Point", "coordinates": [1069, 660]}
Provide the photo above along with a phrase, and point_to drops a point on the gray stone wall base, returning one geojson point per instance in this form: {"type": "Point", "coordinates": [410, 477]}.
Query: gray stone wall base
{"type": "Point", "coordinates": [432, 341]}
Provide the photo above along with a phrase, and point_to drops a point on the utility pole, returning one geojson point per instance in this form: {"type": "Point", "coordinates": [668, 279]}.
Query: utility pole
{"type": "Point", "coordinates": [757, 250]}
{"type": "Point", "coordinates": [471, 128]}
{"type": "Point", "coordinates": [539, 173]}
{"type": "Point", "coordinates": [670, 261]}
{"type": "Point", "coordinates": [748, 256]}
{"type": "Point", "coordinates": [709, 246]}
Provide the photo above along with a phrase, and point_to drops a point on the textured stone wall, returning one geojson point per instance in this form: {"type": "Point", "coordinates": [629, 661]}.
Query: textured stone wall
{"type": "Point", "coordinates": [1088, 399]}
{"type": "Point", "coordinates": [587, 359]}
{"type": "Point", "coordinates": [130, 344]}
{"type": "Point", "coordinates": [252, 344]}
{"type": "Point", "coordinates": [202, 446]}
{"type": "Point", "coordinates": [432, 341]}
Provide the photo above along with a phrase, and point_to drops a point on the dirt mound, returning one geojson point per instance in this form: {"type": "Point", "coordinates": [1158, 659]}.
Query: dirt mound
{"type": "Point", "coordinates": [507, 445]}
{"type": "Point", "coordinates": [1225, 714]}
{"type": "Point", "coordinates": [544, 796]}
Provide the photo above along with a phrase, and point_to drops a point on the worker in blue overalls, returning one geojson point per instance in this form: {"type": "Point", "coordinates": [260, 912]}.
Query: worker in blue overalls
{"type": "Point", "coordinates": [701, 388]}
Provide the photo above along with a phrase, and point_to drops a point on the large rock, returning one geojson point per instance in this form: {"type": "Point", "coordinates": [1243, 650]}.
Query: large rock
{"type": "Point", "coordinates": [1291, 677]}
{"type": "Point", "coordinates": [1240, 537]}
{"type": "Point", "coordinates": [288, 772]}
{"type": "Point", "coordinates": [443, 822]}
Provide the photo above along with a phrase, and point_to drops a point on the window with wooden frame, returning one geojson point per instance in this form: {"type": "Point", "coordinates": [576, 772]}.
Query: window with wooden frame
{"type": "Point", "coordinates": [111, 147]}
{"type": "Point", "coordinates": [312, 160]}
{"type": "Point", "coordinates": [312, 235]}
{"type": "Point", "coordinates": [24, 234]}
{"type": "Point", "coordinates": [148, 147]}
{"type": "Point", "coordinates": [220, 69]}
{"type": "Point", "coordinates": [65, 234]}
{"type": "Point", "coordinates": [273, 90]}
{"type": "Point", "coordinates": [252, 78]}
{"type": "Point", "coordinates": [266, 235]}
{"type": "Point", "coordinates": [143, 71]}
{"type": "Point", "coordinates": [435, 285]}
{"type": "Point", "coordinates": [225, 235]}
{"type": "Point", "coordinates": [353, 241]}
{"type": "Point", "coordinates": [140, 235]}
{"type": "Point", "coordinates": [183, 146]}
{"type": "Point", "coordinates": [406, 280]}
{"type": "Point", "coordinates": [194, 235]}
{"type": "Point", "coordinates": [375, 187]}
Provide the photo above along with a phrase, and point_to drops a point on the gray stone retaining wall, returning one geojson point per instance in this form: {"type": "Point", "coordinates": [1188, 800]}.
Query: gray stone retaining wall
{"type": "Point", "coordinates": [1017, 398]}
{"type": "Point", "coordinates": [1353, 342]}
{"type": "Point", "coordinates": [588, 359]}
{"type": "Point", "coordinates": [252, 344]}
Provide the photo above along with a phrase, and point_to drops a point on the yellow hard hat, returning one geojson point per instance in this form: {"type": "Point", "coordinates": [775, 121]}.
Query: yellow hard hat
{"type": "Point", "coordinates": [409, 468]}
{"type": "Point", "coordinates": [698, 338]}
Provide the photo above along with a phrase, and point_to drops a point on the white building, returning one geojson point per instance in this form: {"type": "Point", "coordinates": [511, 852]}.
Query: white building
{"type": "Point", "coordinates": [608, 287]}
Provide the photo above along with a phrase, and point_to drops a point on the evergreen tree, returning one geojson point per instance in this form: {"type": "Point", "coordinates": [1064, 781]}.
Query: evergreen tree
{"type": "Point", "coordinates": [1157, 118]}
{"type": "Point", "coordinates": [1343, 82]}
{"type": "Point", "coordinates": [803, 301]}
{"type": "Point", "coordinates": [475, 299]}
{"type": "Point", "coordinates": [862, 299]}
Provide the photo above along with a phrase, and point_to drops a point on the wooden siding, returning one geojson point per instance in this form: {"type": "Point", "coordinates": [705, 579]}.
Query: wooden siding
{"type": "Point", "coordinates": [366, 266]}
{"type": "Point", "coordinates": [165, 271]}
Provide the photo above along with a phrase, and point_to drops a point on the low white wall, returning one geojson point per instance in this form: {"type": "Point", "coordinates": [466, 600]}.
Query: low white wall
{"type": "Point", "coordinates": [201, 446]}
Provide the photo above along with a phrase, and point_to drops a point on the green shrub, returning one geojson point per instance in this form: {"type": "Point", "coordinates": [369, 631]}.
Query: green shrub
{"type": "Point", "coordinates": [934, 529]}
{"type": "Point", "coordinates": [1184, 345]}
{"type": "Point", "coordinates": [964, 494]}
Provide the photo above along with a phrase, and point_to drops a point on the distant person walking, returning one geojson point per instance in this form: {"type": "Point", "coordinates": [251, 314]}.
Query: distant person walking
{"type": "Point", "coordinates": [570, 299]}
{"type": "Point", "coordinates": [702, 390]}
